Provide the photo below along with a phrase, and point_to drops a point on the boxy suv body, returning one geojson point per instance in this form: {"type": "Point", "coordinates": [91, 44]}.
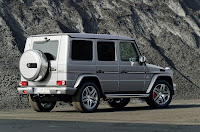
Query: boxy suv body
{"type": "Point", "coordinates": [82, 68]}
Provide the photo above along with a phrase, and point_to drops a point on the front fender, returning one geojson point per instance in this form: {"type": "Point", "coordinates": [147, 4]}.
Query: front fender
{"type": "Point", "coordinates": [153, 80]}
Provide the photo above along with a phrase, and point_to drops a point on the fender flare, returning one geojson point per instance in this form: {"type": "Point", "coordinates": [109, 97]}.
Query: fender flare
{"type": "Point", "coordinates": [81, 77]}
{"type": "Point", "coordinates": [153, 80]}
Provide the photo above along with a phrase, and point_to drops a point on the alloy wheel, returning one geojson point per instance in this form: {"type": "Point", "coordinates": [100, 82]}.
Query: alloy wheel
{"type": "Point", "coordinates": [89, 97]}
{"type": "Point", "coordinates": [161, 94]}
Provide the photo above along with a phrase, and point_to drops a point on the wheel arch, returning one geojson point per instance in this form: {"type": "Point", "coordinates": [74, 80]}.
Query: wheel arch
{"type": "Point", "coordinates": [89, 78]}
{"type": "Point", "coordinates": [165, 77]}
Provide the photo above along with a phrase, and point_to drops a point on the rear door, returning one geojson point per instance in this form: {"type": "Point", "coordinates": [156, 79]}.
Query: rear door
{"type": "Point", "coordinates": [49, 45]}
{"type": "Point", "coordinates": [107, 65]}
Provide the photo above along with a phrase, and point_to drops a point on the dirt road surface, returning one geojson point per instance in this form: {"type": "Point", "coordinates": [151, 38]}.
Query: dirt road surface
{"type": "Point", "coordinates": [181, 115]}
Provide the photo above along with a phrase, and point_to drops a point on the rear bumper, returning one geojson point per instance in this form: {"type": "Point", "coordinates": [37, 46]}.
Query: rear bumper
{"type": "Point", "coordinates": [46, 90]}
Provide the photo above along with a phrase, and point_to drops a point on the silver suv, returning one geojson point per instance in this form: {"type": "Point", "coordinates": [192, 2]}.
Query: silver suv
{"type": "Point", "coordinates": [82, 68]}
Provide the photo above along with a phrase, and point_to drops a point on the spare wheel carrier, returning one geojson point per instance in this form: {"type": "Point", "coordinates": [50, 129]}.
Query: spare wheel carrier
{"type": "Point", "coordinates": [33, 65]}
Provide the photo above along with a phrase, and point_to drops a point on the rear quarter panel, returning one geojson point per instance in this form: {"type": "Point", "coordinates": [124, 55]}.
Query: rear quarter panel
{"type": "Point", "coordinates": [77, 68]}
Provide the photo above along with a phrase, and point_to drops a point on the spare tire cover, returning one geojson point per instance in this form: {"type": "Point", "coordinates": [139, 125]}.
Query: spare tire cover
{"type": "Point", "coordinates": [33, 65]}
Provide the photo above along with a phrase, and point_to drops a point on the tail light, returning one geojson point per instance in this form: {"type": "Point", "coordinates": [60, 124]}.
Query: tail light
{"type": "Point", "coordinates": [23, 83]}
{"type": "Point", "coordinates": [61, 83]}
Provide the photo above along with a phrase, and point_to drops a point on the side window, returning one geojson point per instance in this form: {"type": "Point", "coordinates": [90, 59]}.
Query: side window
{"type": "Point", "coordinates": [128, 52]}
{"type": "Point", "coordinates": [82, 50]}
{"type": "Point", "coordinates": [106, 51]}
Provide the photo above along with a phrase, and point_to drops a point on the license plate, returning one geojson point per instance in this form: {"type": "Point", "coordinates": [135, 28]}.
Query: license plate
{"type": "Point", "coordinates": [42, 90]}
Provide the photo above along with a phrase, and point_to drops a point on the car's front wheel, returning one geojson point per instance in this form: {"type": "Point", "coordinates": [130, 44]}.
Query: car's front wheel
{"type": "Point", "coordinates": [87, 98]}
{"type": "Point", "coordinates": [161, 95]}
{"type": "Point", "coordinates": [41, 106]}
{"type": "Point", "coordinates": [118, 103]}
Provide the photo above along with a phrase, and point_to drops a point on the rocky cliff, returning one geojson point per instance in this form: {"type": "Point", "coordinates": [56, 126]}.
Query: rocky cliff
{"type": "Point", "coordinates": [167, 32]}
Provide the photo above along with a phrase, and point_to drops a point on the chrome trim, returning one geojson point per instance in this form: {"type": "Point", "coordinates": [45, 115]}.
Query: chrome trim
{"type": "Point", "coordinates": [81, 72]}
{"type": "Point", "coordinates": [135, 72]}
{"type": "Point", "coordinates": [108, 72]}
{"type": "Point", "coordinates": [78, 81]}
{"type": "Point", "coordinates": [126, 95]}
{"type": "Point", "coordinates": [154, 72]}
{"type": "Point", "coordinates": [109, 80]}
{"type": "Point", "coordinates": [131, 80]}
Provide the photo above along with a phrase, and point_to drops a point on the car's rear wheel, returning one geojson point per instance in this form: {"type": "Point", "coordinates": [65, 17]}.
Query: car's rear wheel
{"type": "Point", "coordinates": [86, 98]}
{"type": "Point", "coordinates": [161, 95]}
{"type": "Point", "coordinates": [118, 103]}
{"type": "Point", "coordinates": [41, 106]}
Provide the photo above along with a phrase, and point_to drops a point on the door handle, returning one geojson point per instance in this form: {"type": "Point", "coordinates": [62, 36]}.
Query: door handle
{"type": "Point", "coordinates": [100, 71]}
{"type": "Point", "coordinates": [123, 71]}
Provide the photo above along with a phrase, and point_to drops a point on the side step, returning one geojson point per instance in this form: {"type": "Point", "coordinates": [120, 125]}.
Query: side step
{"type": "Point", "coordinates": [126, 95]}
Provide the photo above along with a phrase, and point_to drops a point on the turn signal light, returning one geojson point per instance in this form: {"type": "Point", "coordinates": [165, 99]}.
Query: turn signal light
{"type": "Point", "coordinates": [61, 83]}
{"type": "Point", "coordinates": [23, 83]}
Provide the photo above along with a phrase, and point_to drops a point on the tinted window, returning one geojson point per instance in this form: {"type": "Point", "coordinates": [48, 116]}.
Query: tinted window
{"type": "Point", "coordinates": [106, 51]}
{"type": "Point", "coordinates": [49, 48]}
{"type": "Point", "coordinates": [81, 50]}
{"type": "Point", "coordinates": [128, 52]}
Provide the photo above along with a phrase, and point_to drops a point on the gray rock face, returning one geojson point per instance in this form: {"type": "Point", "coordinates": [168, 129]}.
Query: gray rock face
{"type": "Point", "coordinates": [167, 32]}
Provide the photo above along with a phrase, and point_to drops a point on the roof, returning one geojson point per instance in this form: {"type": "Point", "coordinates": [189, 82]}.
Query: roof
{"type": "Point", "coordinates": [87, 35]}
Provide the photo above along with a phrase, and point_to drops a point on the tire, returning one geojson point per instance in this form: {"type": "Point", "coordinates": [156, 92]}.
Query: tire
{"type": "Point", "coordinates": [40, 106]}
{"type": "Point", "coordinates": [161, 95]}
{"type": "Point", "coordinates": [87, 98]}
{"type": "Point", "coordinates": [118, 103]}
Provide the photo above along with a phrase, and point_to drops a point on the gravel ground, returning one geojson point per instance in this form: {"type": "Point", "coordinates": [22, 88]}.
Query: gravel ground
{"type": "Point", "coordinates": [181, 115]}
{"type": "Point", "coordinates": [179, 112]}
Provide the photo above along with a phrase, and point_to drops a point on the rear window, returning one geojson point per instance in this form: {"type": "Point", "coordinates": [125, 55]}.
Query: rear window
{"type": "Point", "coordinates": [49, 48]}
{"type": "Point", "coordinates": [82, 50]}
{"type": "Point", "coordinates": [106, 51]}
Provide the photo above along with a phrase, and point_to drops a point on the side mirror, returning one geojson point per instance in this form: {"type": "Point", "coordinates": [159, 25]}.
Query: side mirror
{"type": "Point", "coordinates": [142, 59]}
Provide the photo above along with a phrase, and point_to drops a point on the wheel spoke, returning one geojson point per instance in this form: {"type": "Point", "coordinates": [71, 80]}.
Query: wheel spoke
{"type": "Point", "coordinates": [158, 100]}
{"type": "Point", "coordinates": [156, 97]}
{"type": "Point", "coordinates": [85, 99]}
{"type": "Point", "coordinates": [163, 88]}
{"type": "Point", "coordinates": [88, 103]}
{"type": "Point", "coordinates": [93, 92]}
{"type": "Point", "coordinates": [156, 92]}
{"type": "Point", "coordinates": [162, 100]}
{"type": "Point", "coordinates": [46, 104]}
{"type": "Point", "coordinates": [92, 98]}
{"type": "Point", "coordinates": [166, 95]}
{"type": "Point", "coordinates": [91, 102]}
{"type": "Point", "coordinates": [166, 92]}
{"type": "Point", "coordinates": [87, 91]}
